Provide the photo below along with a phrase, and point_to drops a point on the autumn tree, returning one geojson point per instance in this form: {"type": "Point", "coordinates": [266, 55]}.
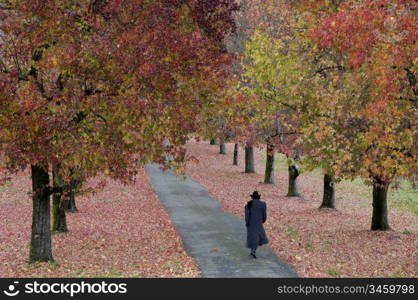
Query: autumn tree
{"type": "Point", "coordinates": [239, 113]}
{"type": "Point", "coordinates": [213, 124]}
{"type": "Point", "coordinates": [267, 79]}
{"type": "Point", "coordinates": [235, 44]}
{"type": "Point", "coordinates": [100, 87]}
{"type": "Point", "coordinates": [367, 122]}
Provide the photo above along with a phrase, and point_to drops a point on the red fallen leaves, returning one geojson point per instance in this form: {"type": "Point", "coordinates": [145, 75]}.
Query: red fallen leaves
{"type": "Point", "coordinates": [122, 231]}
{"type": "Point", "coordinates": [318, 243]}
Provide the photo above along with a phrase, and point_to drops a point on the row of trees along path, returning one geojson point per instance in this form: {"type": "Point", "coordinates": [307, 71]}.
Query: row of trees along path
{"type": "Point", "coordinates": [101, 87]}
{"type": "Point", "coordinates": [330, 84]}
{"type": "Point", "coordinates": [92, 87]}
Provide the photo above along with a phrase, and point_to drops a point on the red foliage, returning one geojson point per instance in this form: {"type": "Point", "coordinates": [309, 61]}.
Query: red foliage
{"type": "Point", "coordinates": [88, 80]}
{"type": "Point", "coordinates": [380, 33]}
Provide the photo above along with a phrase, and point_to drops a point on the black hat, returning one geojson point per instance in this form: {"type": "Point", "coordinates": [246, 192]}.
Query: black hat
{"type": "Point", "coordinates": [255, 195]}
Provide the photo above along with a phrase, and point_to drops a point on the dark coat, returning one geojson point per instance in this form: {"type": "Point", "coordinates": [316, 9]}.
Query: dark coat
{"type": "Point", "coordinates": [255, 216]}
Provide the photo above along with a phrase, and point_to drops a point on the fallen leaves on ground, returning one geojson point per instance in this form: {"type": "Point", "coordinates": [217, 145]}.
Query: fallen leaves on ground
{"type": "Point", "coordinates": [318, 243]}
{"type": "Point", "coordinates": [122, 231]}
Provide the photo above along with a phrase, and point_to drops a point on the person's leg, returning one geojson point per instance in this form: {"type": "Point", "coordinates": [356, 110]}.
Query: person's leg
{"type": "Point", "coordinates": [253, 250]}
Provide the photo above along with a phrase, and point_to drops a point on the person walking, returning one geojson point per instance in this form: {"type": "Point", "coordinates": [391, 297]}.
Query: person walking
{"type": "Point", "coordinates": [255, 216]}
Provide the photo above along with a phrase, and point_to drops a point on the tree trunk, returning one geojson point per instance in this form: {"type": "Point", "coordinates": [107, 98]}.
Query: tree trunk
{"type": "Point", "coordinates": [74, 183]}
{"type": "Point", "coordinates": [235, 162]}
{"type": "Point", "coordinates": [40, 245]}
{"type": "Point", "coordinates": [59, 203]}
{"type": "Point", "coordinates": [222, 148]}
{"type": "Point", "coordinates": [71, 207]}
{"type": "Point", "coordinates": [328, 199]}
{"type": "Point", "coordinates": [269, 172]}
{"type": "Point", "coordinates": [293, 184]}
{"type": "Point", "coordinates": [249, 159]}
{"type": "Point", "coordinates": [380, 208]}
{"type": "Point", "coordinates": [213, 142]}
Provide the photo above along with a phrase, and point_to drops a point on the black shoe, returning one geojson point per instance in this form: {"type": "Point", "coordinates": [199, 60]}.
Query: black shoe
{"type": "Point", "coordinates": [253, 255]}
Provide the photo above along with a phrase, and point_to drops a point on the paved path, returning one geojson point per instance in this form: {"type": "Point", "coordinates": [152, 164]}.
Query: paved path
{"type": "Point", "coordinates": [216, 239]}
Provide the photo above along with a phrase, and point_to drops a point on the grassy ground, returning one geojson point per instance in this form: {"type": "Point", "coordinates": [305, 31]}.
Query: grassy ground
{"type": "Point", "coordinates": [403, 196]}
